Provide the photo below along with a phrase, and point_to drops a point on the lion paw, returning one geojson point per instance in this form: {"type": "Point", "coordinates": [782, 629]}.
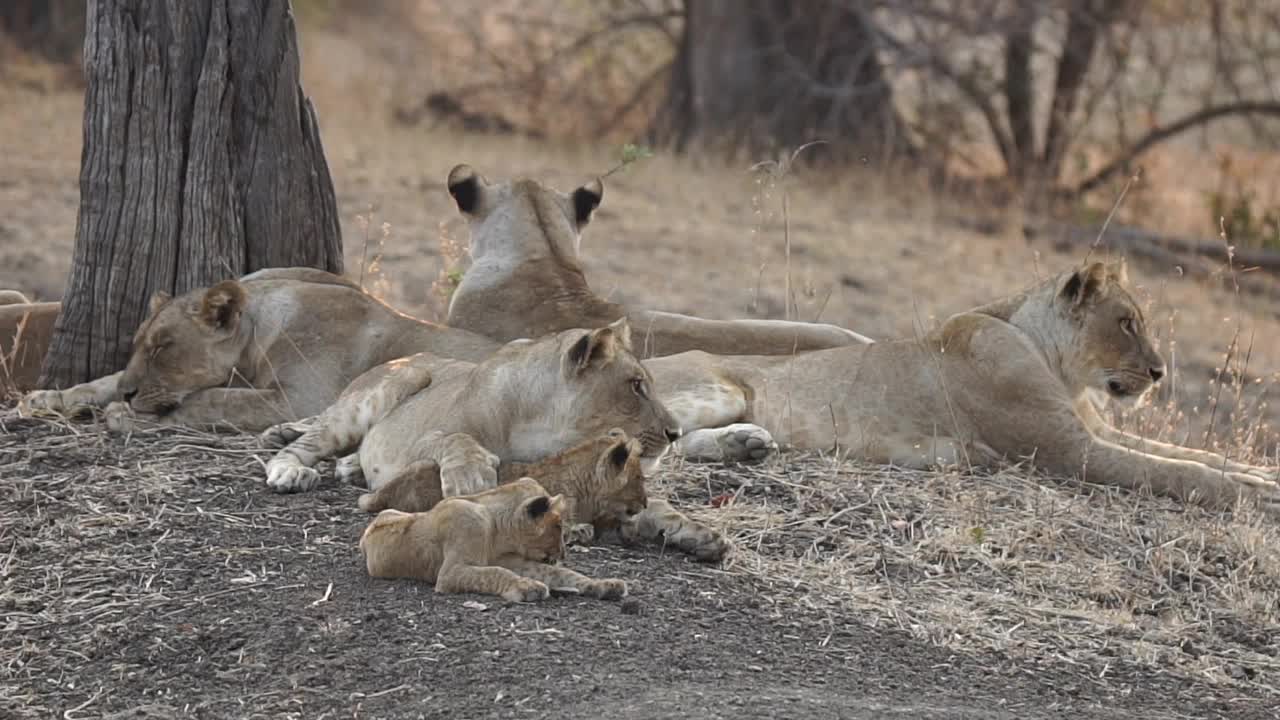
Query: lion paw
{"type": "Point", "coordinates": [710, 549]}
{"type": "Point", "coordinates": [290, 477]}
{"type": "Point", "coordinates": [119, 418]}
{"type": "Point", "coordinates": [278, 436]}
{"type": "Point", "coordinates": [348, 470]}
{"type": "Point", "coordinates": [606, 589]}
{"type": "Point", "coordinates": [579, 534]}
{"type": "Point", "coordinates": [527, 591]}
{"type": "Point", "coordinates": [744, 442]}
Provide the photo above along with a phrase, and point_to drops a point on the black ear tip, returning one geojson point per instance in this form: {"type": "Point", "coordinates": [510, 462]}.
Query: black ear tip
{"type": "Point", "coordinates": [619, 454]}
{"type": "Point", "coordinates": [585, 200]}
{"type": "Point", "coordinates": [578, 353]}
{"type": "Point", "coordinates": [539, 506]}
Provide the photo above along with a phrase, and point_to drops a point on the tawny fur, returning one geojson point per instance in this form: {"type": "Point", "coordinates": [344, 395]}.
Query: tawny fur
{"type": "Point", "coordinates": [526, 280]}
{"type": "Point", "coordinates": [276, 345]}
{"type": "Point", "coordinates": [498, 542]}
{"type": "Point", "coordinates": [1006, 381]}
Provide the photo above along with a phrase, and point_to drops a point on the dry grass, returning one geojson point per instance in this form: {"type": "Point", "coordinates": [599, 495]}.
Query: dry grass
{"type": "Point", "coordinates": [1009, 562]}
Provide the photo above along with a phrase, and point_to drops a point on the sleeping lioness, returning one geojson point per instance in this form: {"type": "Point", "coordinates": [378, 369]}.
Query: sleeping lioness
{"type": "Point", "coordinates": [276, 345]}
{"type": "Point", "coordinates": [498, 542]}
{"type": "Point", "coordinates": [1008, 380]}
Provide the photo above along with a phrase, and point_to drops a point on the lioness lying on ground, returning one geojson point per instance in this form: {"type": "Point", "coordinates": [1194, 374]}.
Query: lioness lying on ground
{"type": "Point", "coordinates": [1007, 380]}
{"type": "Point", "coordinates": [276, 345]}
{"type": "Point", "coordinates": [498, 542]}
{"type": "Point", "coordinates": [25, 331]}
{"type": "Point", "coordinates": [419, 416]}
{"type": "Point", "coordinates": [603, 487]}
{"type": "Point", "coordinates": [525, 279]}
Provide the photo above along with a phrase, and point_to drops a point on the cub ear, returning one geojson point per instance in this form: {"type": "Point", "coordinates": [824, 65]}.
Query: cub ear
{"type": "Point", "coordinates": [464, 185]}
{"type": "Point", "coordinates": [619, 454]}
{"type": "Point", "coordinates": [222, 304]}
{"type": "Point", "coordinates": [535, 508]}
{"type": "Point", "coordinates": [1119, 271]}
{"type": "Point", "coordinates": [585, 201]}
{"type": "Point", "coordinates": [157, 301]}
{"type": "Point", "coordinates": [1084, 284]}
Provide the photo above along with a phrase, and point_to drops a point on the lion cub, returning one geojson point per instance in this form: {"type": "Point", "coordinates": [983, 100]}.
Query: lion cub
{"type": "Point", "coordinates": [497, 542]}
{"type": "Point", "coordinates": [600, 479]}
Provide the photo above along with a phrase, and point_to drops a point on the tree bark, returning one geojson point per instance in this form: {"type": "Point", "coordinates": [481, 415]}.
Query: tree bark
{"type": "Point", "coordinates": [202, 161]}
{"type": "Point", "coordinates": [770, 74]}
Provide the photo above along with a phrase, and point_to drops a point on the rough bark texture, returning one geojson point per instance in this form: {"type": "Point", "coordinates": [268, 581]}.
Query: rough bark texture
{"type": "Point", "coordinates": [767, 74]}
{"type": "Point", "coordinates": [201, 161]}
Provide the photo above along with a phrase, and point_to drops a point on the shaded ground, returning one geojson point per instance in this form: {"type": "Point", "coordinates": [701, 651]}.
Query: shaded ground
{"type": "Point", "coordinates": [153, 577]}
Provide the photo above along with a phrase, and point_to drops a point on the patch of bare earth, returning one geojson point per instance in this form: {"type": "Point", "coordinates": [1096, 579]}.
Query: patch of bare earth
{"type": "Point", "coordinates": [154, 576]}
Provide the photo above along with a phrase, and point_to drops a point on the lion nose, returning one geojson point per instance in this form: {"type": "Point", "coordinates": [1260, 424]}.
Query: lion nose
{"type": "Point", "coordinates": [1156, 373]}
{"type": "Point", "coordinates": [673, 434]}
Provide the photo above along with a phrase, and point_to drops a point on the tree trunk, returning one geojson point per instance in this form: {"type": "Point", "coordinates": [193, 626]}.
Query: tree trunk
{"type": "Point", "coordinates": [770, 74]}
{"type": "Point", "coordinates": [202, 161]}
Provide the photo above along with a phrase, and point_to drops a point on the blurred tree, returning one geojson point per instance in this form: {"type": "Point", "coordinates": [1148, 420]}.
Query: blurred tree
{"type": "Point", "coordinates": [54, 28]}
{"type": "Point", "coordinates": [769, 74]}
{"type": "Point", "coordinates": [201, 161]}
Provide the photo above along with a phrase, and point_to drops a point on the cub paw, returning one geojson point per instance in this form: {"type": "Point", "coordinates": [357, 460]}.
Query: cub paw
{"type": "Point", "coordinates": [710, 549]}
{"type": "Point", "coordinates": [744, 442]}
{"type": "Point", "coordinates": [579, 534]}
{"type": "Point", "coordinates": [290, 477]}
{"type": "Point", "coordinates": [349, 471]}
{"type": "Point", "coordinates": [278, 436]}
{"type": "Point", "coordinates": [607, 589]}
{"type": "Point", "coordinates": [527, 591]}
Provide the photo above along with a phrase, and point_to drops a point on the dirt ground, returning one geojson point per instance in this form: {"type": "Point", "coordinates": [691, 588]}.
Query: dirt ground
{"type": "Point", "coordinates": [154, 576]}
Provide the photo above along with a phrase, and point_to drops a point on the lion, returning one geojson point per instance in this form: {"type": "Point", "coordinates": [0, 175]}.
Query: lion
{"type": "Point", "coordinates": [526, 280]}
{"type": "Point", "coordinates": [498, 542]}
{"type": "Point", "coordinates": [26, 329]}
{"type": "Point", "coordinates": [276, 345]}
{"type": "Point", "coordinates": [1012, 379]}
{"type": "Point", "coordinates": [604, 490]}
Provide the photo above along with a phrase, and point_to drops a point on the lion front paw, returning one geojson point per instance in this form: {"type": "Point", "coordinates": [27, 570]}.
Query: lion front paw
{"type": "Point", "coordinates": [526, 590]}
{"type": "Point", "coordinates": [41, 402]}
{"type": "Point", "coordinates": [745, 442]}
{"type": "Point", "coordinates": [579, 534]}
{"type": "Point", "coordinates": [278, 436]}
{"type": "Point", "coordinates": [289, 476]}
{"type": "Point", "coordinates": [606, 589]}
{"type": "Point", "coordinates": [120, 418]}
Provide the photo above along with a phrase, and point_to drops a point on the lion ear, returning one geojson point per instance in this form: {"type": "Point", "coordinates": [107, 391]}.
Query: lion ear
{"type": "Point", "coordinates": [157, 301]}
{"type": "Point", "coordinates": [1084, 284]}
{"type": "Point", "coordinates": [598, 348]}
{"type": "Point", "coordinates": [464, 186]}
{"type": "Point", "coordinates": [1119, 271]}
{"type": "Point", "coordinates": [585, 201]}
{"type": "Point", "coordinates": [222, 304]}
{"type": "Point", "coordinates": [535, 508]}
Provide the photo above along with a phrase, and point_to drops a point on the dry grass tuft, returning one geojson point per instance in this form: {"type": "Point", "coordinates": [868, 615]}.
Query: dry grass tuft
{"type": "Point", "coordinates": [1009, 562]}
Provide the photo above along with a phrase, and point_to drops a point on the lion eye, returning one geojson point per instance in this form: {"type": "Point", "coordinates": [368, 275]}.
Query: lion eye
{"type": "Point", "coordinates": [637, 385]}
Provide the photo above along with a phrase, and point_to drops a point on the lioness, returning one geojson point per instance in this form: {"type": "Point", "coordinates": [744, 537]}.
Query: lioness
{"type": "Point", "coordinates": [1011, 379]}
{"type": "Point", "coordinates": [276, 345]}
{"type": "Point", "coordinates": [25, 331]}
{"type": "Point", "coordinates": [525, 279]}
{"type": "Point", "coordinates": [603, 486]}
{"type": "Point", "coordinates": [526, 402]}
{"type": "Point", "coordinates": [497, 542]}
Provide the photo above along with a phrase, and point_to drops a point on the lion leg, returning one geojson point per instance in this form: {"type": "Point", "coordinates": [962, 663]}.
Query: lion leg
{"type": "Point", "coordinates": [709, 411]}
{"type": "Point", "coordinates": [342, 427]}
{"type": "Point", "coordinates": [415, 489]}
{"type": "Point", "coordinates": [459, 577]}
{"type": "Point", "coordinates": [561, 578]}
{"type": "Point", "coordinates": [97, 393]}
{"type": "Point", "coordinates": [281, 434]}
{"type": "Point", "coordinates": [466, 467]}
{"type": "Point", "coordinates": [662, 523]}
